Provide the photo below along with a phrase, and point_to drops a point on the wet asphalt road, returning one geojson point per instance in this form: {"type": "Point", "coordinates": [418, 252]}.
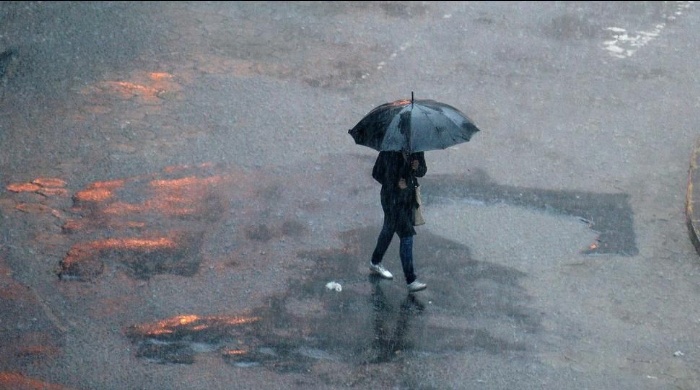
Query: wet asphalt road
{"type": "Point", "coordinates": [178, 187]}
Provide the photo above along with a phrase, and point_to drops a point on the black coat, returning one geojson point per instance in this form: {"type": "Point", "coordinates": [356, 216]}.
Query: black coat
{"type": "Point", "coordinates": [399, 204]}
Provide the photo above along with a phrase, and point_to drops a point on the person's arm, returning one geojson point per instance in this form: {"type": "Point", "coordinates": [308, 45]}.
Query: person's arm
{"type": "Point", "coordinates": [419, 168]}
{"type": "Point", "coordinates": [379, 170]}
{"type": "Point", "coordinates": [386, 170]}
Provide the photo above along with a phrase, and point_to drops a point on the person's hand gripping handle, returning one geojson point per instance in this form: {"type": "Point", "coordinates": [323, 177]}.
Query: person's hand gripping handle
{"type": "Point", "coordinates": [402, 181]}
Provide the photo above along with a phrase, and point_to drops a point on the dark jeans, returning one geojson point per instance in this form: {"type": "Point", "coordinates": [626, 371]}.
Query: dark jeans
{"type": "Point", "coordinates": [405, 251]}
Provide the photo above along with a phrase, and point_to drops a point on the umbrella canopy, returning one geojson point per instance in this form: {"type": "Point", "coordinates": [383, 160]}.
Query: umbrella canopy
{"type": "Point", "coordinates": [413, 126]}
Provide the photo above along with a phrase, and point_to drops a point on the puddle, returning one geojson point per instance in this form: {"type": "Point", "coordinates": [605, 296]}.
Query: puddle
{"type": "Point", "coordinates": [161, 229]}
{"type": "Point", "coordinates": [470, 305]}
{"type": "Point", "coordinates": [370, 321]}
{"type": "Point", "coordinates": [609, 215]}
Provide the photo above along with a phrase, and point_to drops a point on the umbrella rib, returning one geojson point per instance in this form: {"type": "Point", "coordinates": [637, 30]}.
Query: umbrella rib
{"type": "Point", "coordinates": [390, 136]}
{"type": "Point", "coordinates": [423, 111]}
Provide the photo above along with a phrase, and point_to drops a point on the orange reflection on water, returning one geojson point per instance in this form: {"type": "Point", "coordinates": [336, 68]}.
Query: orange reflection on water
{"type": "Point", "coordinates": [159, 206]}
{"type": "Point", "coordinates": [49, 182]}
{"type": "Point", "coordinates": [191, 322]}
{"type": "Point", "coordinates": [94, 195]}
{"type": "Point", "coordinates": [128, 89]}
{"type": "Point", "coordinates": [22, 187]}
{"type": "Point", "coordinates": [88, 249]}
{"type": "Point", "coordinates": [186, 319]}
{"type": "Point", "coordinates": [150, 88]}
{"type": "Point", "coordinates": [17, 381]}
{"type": "Point", "coordinates": [134, 243]}
{"type": "Point", "coordinates": [98, 191]}
{"type": "Point", "coordinates": [84, 260]}
{"type": "Point", "coordinates": [160, 76]}
{"type": "Point", "coordinates": [177, 197]}
{"type": "Point", "coordinates": [43, 185]}
{"type": "Point", "coordinates": [167, 206]}
{"type": "Point", "coordinates": [52, 191]}
{"type": "Point", "coordinates": [110, 184]}
{"type": "Point", "coordinates": [185, 183]}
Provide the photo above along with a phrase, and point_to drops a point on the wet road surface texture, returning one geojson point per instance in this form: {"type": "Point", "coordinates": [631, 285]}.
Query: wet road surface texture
{"type": "Point", "coordinates": [179, 189]}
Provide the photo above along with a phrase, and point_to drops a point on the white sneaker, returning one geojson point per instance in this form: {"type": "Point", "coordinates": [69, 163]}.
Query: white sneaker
{"type": "Point", "coordinates": [416, 286]}
{"type": "Point", "coordinates": [381, 271]}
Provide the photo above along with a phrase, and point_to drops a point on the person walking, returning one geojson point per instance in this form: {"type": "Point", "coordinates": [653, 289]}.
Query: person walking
{"type": "Point", "coordinates": [397, 172]}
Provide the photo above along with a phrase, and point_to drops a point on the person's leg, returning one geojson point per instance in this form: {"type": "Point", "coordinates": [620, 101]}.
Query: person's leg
{"type": "Point", "coordinates": [406, 254]}
{"type": "Point", "coordinates": [383, 241]}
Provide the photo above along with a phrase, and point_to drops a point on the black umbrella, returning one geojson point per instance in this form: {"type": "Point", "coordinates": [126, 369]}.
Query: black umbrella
{"type": "Point", "coordinates": [413, 126]}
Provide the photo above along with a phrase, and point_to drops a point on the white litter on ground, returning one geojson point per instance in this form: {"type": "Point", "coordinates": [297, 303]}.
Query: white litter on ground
{"type": "Point", "coordinates": [334, 286]}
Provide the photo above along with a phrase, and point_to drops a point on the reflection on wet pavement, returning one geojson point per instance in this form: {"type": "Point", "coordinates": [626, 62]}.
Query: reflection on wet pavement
{"type": "Point", "coordinates": [30, 334]}
{"type": "Point", "coordinates": [149, 224]}
{"type": "Point", "coordinates": [15, 381]}
{"type": "Point", "coordinates": [199, 263]}
{"type": "Point", "coordinates": [371, 321]}
{"type": "Point", "coordinates": [175, 340]}
{"type": "Point", "coordinates": [167, 223]}
{"type": "Point", "coordinates": [390, 341]}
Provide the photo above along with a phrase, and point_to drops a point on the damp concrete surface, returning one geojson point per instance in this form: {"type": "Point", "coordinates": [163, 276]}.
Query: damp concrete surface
{"type": "Point", "coordinates": [181, 206]}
